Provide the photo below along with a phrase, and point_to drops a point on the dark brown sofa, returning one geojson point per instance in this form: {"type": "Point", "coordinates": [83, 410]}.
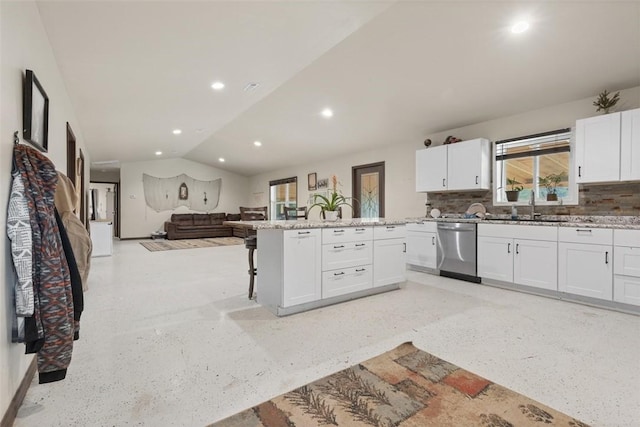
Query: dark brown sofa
{"type": "Point", "coordinates": [192, 226]}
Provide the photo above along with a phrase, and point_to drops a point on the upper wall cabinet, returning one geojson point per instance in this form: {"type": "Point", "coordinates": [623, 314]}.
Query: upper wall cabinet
{"type": "Point", "coordinates": [607, 148]}
{"type": "Point", "coordinates": [461, 166]}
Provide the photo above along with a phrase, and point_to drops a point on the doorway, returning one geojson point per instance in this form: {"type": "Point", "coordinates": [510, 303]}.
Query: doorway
{"type": "Point", "coordinates": [368, 190]}
{"type": "Point", "coordinates": [105, 204]}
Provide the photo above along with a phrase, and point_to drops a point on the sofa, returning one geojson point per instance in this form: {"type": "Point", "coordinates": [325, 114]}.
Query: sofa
{"type": "Point", "coordinates": [193, 225]}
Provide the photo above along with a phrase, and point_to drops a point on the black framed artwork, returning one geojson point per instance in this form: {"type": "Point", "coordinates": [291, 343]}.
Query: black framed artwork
{"type": "Point", "coordinates": [35, 112]}
{"type": "Point", "coordinates": [312, 179]}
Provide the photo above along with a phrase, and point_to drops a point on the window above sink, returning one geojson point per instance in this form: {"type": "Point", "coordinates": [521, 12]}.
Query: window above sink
{"type": "Point", "coordinates": [540, 163]}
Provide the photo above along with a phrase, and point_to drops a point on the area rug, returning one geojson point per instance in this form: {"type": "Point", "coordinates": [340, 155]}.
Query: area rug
{"type": "Point", "coordinates": [403, 387]}
{"type": "Point", "coordinates": [169, 245]}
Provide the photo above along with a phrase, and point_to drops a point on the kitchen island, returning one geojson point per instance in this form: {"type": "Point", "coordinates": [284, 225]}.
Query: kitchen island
{"type": "Point", "coordinates": [305, 264]}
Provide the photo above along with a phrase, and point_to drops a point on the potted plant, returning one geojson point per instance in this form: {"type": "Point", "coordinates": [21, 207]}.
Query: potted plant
{"type": "Point", "coordinates": [331, 204]}
{"type": "Point", "coordinates": [550, 182]}
{"type": "Point", "coordinates": [516, 188]}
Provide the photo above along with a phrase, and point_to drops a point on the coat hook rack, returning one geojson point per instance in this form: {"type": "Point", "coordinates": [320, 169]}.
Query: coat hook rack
{"type": "Point", "coordinates": [16, 138]}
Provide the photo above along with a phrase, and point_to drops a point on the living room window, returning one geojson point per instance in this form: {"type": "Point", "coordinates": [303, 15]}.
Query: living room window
{"type": "Point", "coordinates": [282, 193]}
{"type": "Point", "coordinates": [540, 163]}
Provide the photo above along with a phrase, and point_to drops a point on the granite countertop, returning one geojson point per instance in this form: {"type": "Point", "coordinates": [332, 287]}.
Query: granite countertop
{"type": "Point", "coordinates": [302, 224]}
{"type": "Point", "coordinates": [617, 222]}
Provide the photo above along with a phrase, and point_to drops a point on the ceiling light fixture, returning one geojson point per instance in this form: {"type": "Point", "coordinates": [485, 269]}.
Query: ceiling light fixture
{"type": "Point", "coordinates": [158, 153]}
{"type": "Point", "coordinates": [217, 86]}
{"type": "Point", "coordinates": [177, 131]}
{"type": "Point", "coordinates": [327, 112]}
{"type": "Point", "coordinates": [257, 143]}
{"type": "Point", "coordinates": [221, 159]}
{"type": "Point", "coordinates": [520, 27]}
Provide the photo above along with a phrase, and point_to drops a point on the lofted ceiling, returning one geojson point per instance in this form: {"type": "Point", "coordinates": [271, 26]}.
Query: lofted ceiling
{"type": "Point", "coordinates": [393, 72]}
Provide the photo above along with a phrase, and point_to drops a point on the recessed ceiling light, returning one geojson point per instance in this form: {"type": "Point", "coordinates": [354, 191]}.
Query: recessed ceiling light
{"type": "Point", "coordinates": [177, 131]}
{"type": "Point", "coordinates": [520, 27]}
{"type": "Point", "coordinates": [257, 143]}
{"type": "Point", "coordinates": [221, 159]}
{"type": "Point", "coordinates": [327, 112]}
{"type": "Point", "coordinates": [158, 153]}
{"type": "Point", "coordinates": [217, 85]}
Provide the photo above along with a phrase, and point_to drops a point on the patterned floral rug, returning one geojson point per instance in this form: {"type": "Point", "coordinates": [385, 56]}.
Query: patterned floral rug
{"type": "Point", "coordinates": [403, 387]}
{"type": "Point", "coordinates": [169, 245]}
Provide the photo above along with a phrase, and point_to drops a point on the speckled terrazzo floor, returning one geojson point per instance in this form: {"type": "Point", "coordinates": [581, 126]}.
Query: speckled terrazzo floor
{"type": "Point", "coordinates": [170, 339]}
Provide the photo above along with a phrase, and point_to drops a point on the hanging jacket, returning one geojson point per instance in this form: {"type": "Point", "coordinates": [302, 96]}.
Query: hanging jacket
{"type": "Point", "coordinates": [53, 299]}
{"type": "Point", "coordinates": [19, 232]}
{"type": "Point", "coordinates": [74, 276]}
{"type": "Point", "coordinates": [66, 200]}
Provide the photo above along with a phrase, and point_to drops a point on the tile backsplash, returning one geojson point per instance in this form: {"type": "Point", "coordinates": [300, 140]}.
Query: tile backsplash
{"type": "Point", "coordinates": [609, 199]}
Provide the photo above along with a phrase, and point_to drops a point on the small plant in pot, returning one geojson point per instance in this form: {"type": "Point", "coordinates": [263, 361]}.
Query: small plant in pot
{"type": "Point", "coordinates": [330, 205]}
{"type": "Point", "coordinates": [516, 188]}
{"type": "Point", "coordinates": [550, 183]}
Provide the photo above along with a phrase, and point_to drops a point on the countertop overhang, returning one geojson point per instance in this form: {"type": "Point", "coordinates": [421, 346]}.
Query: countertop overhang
{"type": "Point", "coordinates": [617, 222]}
{"type": "Point", "coordinates": [303, 224]}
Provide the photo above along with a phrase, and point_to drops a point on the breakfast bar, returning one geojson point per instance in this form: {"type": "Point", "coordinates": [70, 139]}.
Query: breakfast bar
{"type": "Point", "coordinates": [305, 264]}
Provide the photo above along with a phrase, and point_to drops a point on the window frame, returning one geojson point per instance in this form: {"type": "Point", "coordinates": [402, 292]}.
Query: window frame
{"type": "Point", "coordinates": [498, 186]}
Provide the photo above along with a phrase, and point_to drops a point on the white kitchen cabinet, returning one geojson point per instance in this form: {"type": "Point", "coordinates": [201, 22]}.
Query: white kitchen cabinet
{"type": "Point", "coordinates": [535, 263]}
{"type": "Point", "coordinates": [464, 165]}
{"type": "Point", "coordinates": [302, 272]}
{"type": "Point", "coordinates": [630, 145]}
{"type": "Point", "coordinates": [598, 149]}
{"type": "Point", "coordinates": [626, 263]}
{"type": "Point", "coordinates": [431, 169]}
{"type": "Point", "coordinates": [524, 255]}
{"type": "Point", "coordinates": [495, 258]}
{"type": "Point", "coordinates": [389, 260]}
{"type": "Point", "coordinates": [347, 280]}
{"type": "Point", "coordinates": [422, 245]}
{"type": "Point", "coordinates": [101, 238]}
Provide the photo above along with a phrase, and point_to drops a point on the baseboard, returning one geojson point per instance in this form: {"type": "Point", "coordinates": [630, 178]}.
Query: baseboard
{"type": "Point", "coordinates": [10, 416]}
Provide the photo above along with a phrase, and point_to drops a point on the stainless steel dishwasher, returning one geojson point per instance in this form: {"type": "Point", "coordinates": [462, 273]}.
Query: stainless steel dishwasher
{"type": "Point", "coordinates": [457, 250]}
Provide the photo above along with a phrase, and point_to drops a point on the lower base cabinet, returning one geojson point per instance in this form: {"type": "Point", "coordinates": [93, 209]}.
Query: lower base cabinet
{"type": "Point", "coordinates": [346, 281]}
{"type": "Point", "coordinates": [586, 270]}
{"type": "Point", "coordinates": [535, 264]}
{"type": "Point", "coordinates": [389, 260]}
{"type": "Point", "coordinates": [302, 267]}
{"type": "Point", "coordinates": [422, 245]}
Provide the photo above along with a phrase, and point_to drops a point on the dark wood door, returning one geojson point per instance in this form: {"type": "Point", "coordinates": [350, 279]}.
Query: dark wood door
{"type": "Point", "coordinates": [368, 190]}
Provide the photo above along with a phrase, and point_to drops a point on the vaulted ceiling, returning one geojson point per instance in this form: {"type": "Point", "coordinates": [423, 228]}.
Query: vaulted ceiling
{"type": "Point", "coordinates": [392, 72]}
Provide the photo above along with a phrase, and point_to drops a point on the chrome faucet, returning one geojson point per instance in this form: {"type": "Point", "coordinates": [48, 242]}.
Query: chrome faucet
{"type": "Point", "coordinates": [532, 202]}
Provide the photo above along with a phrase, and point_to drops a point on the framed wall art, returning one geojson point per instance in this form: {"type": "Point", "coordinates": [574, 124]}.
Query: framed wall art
{"type": "Point", "coordinates": [312, 181]}
{"type": "Point", "coordinates": [35, 113]}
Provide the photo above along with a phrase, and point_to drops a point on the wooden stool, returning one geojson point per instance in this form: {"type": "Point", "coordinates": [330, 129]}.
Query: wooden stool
{"type": "Point", "coordinates": [251, 243]}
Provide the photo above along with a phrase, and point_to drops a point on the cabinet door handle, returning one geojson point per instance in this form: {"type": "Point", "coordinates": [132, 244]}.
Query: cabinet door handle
{"type": "Point", "coordinates": [517, 248]}
{"type": "Point", "coordinates": [360, 244]}
{"type": "Point", "coordinates": [360, 270]}
{"type": "Point", "coordinates": [338, 247]}
{"type": "Point", "coordinates": [433, 240]}
{"type": "Point", "coordinates": [606, 257]}
{"type": "Point", "coordinates": [583, 230]}
{"type": "Point", "coordinates": [405, 247]}
{"type": "Point", "coordinates": [508, 248]}
{"type": "Point", "coordinates": [443, 184]}
{"type": "Point", "coordinates": [359, 229]}
{"type": "Point", "coordinates": [338, 274]}
{"type": "Point", "coordinates": [579, 171]}
{"type": "Point", "coordinates": [390, 227]}
{"type": "Point", "coordinates": [304, 232]}
{"type": "Point", "coordinates": [338, 231]}
{"type": "Point", "coordinates": [476, 179]}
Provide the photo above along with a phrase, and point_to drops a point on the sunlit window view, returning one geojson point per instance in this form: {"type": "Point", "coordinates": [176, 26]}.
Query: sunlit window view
{"type": "Point", "coordinates": [540, 164]}
{"type": "Point", "coordinates": [283, 193]}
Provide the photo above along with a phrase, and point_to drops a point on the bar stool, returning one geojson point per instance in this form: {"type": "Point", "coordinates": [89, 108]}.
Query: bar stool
{"type": "Point", "coordinates": [251, 243]}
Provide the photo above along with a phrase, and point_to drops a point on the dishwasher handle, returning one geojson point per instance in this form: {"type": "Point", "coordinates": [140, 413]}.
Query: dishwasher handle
{"type": "Point", "coordinates": [464, 227]}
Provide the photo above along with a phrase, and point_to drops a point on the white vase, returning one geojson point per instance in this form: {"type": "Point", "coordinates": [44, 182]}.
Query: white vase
{"type": "Point", "coordinates": [331, 215]}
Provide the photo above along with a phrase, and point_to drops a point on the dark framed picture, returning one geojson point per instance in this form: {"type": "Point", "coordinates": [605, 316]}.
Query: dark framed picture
{"type": "Point", "coordinates": [323, 183]}
{"type": "Point", "coordinates": [183, 194]}
{"type": "Point", "coordinates": [312, 181]}
{"type": "Point", "coordinates": [35, 113]}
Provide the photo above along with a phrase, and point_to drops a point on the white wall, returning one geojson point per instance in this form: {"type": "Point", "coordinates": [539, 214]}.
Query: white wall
{"type": "Point", "coordinates": [401, 200]}
{"type": "Point", "coordinates": [24, 44]}
{"type": "Point", "coordinates": [139, 220]}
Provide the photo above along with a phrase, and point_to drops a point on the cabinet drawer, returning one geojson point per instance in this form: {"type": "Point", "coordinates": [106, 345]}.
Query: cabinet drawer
{"type": "Point", "coordinates": [346, 281]}
{"type": "Point", "coordinates": [346, 234]}
{"type": "Point", "coordinates": [627, 261]}
{"type": "Point", "coordinates": [497, 230]}
{"type": "Point", "coordinates": [595, 236]}
{"type": "Point", "coordinates": [390, 232]}
{"type": "Point", "coordinates": [626, 238]}
{"type": "Point", "coordinates": [349, 254]}
{"type": "Point", "coordinates": [430, 227]}
{"type": "Point", "coordinates": [626, 290]}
